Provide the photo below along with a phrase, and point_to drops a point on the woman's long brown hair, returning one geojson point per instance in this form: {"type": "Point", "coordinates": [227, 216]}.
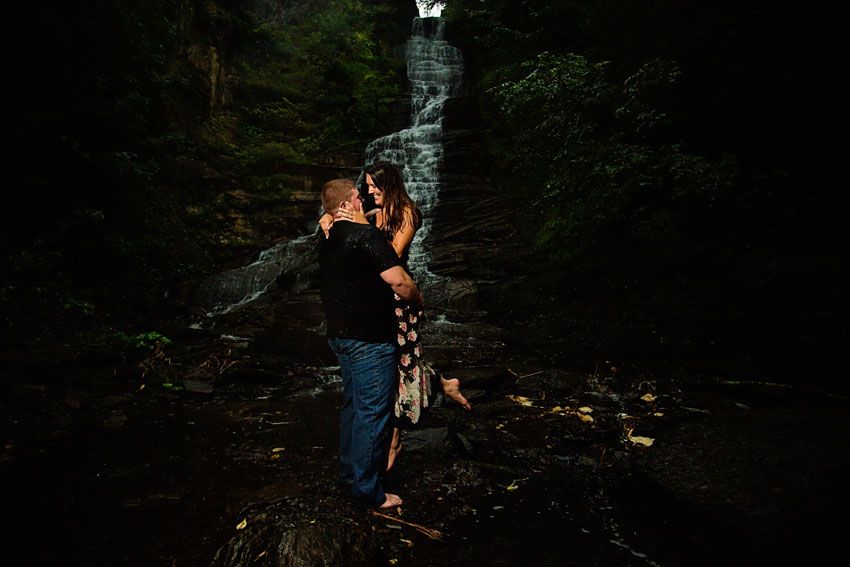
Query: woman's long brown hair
{"type": "Point", "coordinates": [387, 178]}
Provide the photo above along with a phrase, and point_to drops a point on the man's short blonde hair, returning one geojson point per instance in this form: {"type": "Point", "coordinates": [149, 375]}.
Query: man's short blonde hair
{"type": "Point", "coordinates": [335, 192]}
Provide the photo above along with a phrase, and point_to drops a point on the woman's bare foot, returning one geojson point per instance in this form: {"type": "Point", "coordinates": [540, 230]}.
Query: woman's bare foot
{"type": "Point", "coordinates": [395, 448]}
{"type": "Point", "coordinates": [452, 390]}
{"type": "Point", "coordinates": [392, 501]}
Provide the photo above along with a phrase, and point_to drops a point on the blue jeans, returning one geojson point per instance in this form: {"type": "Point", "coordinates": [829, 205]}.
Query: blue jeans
{"type": "Point", "coordinates": [368, 379]}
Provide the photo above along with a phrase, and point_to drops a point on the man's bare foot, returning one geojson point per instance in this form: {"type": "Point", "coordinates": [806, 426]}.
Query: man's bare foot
{"type": "Point", "coordinates": [392, 501]}
{"type": "Point", "coordinates": [395, 448]}
{"type": "Point", "coordinates": [452, 390]}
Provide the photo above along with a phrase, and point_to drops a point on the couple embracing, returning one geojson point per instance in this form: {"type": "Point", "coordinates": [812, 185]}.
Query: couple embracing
{"type": "Point", "coordinates": [373, 308]}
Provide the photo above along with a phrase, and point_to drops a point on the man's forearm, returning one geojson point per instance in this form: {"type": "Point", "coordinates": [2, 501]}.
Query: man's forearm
{"type": "Point", "coordinates": [403, 285]}
{"type": "Point", "coordinates": [407, 290]}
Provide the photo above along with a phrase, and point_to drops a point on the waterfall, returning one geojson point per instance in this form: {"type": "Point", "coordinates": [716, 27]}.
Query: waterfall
{"type": "Point", "coordinates": [225, 292]}
{"type": "Point", "coordinates": [435, 73]}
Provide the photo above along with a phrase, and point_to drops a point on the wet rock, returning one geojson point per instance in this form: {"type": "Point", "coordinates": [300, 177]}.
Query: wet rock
{"type": "Point", "coordinates": [466, 444]}
{"type": "Point", "coordinates": [264, 495]}
{"type": "Point", "coordinates": [476, 439]}
{"type": "Point", "coordinates": [178, 374]}
{"type": "Point", "coordinates": [456, 294]}
{"type": "Point", "coordinates": [75, 399]}
{"type": "Point", "coordinates": [254, 542]}
{"type": "Point", "coordinates": [549, 381]}
{"type": "Point", "coordinates": [198, 386]}
{"type": "Point", "coordinates": [252, 375]}
{"type": "Point", "coordinates": [266, 541]}
{"type": "Point", "coordinates": [431, 443]}
{"type": "Point", "coordinates": [115, 418]}
{"type": "Point", "coordinates": [323, 544]}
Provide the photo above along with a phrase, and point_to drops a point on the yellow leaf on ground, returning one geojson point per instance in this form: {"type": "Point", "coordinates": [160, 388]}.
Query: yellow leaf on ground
{"type": "Point", "coordinates": [584, 417]}
{"type": "Point", "coordinates": [278, 449]}
{"type": "Point", "coordinates": [585, 409]}
{"type": "Point", "coordinates": [242, 524]}
{"type": "Point", "coordinates": [645, 441]}
{"type": "Point", "coordinates": [648, 398]}
{"type": "Point", "coordinates": [522, 400]}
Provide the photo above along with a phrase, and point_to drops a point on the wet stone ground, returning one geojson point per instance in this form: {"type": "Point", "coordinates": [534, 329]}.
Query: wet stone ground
{"type": "Point", "coordinates": [234, 464]}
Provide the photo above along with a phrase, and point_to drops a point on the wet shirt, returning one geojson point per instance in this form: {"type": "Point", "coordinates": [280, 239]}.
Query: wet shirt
{"type": "Point", "coordinates": [358, 303]}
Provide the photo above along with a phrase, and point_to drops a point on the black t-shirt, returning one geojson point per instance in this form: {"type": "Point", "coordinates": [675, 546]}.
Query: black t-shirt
{"type": "Point", "coordinates": [358, 303]}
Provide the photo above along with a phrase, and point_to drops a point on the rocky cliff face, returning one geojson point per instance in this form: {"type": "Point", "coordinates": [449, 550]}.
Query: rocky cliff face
{"type": "Point", "coordinates": [473, 236]}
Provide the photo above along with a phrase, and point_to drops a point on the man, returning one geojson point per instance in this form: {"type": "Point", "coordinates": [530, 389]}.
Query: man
{"type": "Point", "coordinates": [360, 271]}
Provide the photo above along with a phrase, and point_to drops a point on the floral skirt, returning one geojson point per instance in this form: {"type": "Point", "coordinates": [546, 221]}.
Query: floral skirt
{"type": "Point", "coordinates": [414, 375]}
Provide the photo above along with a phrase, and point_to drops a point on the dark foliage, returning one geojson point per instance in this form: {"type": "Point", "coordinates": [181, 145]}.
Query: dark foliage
{"type": "Point", "coordinates": [675, 158]}
{"type": "Point", "coordinates": [128, 122]}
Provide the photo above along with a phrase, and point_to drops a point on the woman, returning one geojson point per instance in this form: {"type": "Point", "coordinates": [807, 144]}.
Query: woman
{"type": "Point", "coordinates": [399, 218]}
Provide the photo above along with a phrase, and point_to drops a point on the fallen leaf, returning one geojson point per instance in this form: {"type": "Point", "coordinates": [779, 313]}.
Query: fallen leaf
{"type": "Point", "coordinates": [278, 449]}
{"type": "Point", "coordinates": [242, 524]}
{"type": "Point", "coordinates": [585, 409]}
{"type": "Point", "coordinates": [584, 417]}
{"type": "Point", "coordinates": [142, 387]}
{"type": "Point", "coordinates": [522, 400]}
{"type": "Point", "coordinates": [644, 441]}
{"type": "Point", "coordinates": [658, 414]}
{"type": "Point", "coordinates": [512, 486]}
{"type": "Point", "coordinates": [648, 397]}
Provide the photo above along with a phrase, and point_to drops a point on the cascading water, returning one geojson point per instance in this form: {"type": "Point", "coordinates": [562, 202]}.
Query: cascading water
{"type": "Point", "coordinates": [435, 73]}
{"type": "Point", "coordinates": [226, 291]}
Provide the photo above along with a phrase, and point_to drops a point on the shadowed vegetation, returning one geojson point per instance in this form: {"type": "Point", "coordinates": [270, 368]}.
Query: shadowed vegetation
{"type": "Point", "coordinates": [139, 130]}
{"type": "Point", "coordinates": [664, 152]}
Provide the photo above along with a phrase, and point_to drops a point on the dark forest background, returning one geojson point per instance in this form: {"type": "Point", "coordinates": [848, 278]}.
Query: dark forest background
{"type": "Point", "coordinates": [672, 162]}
